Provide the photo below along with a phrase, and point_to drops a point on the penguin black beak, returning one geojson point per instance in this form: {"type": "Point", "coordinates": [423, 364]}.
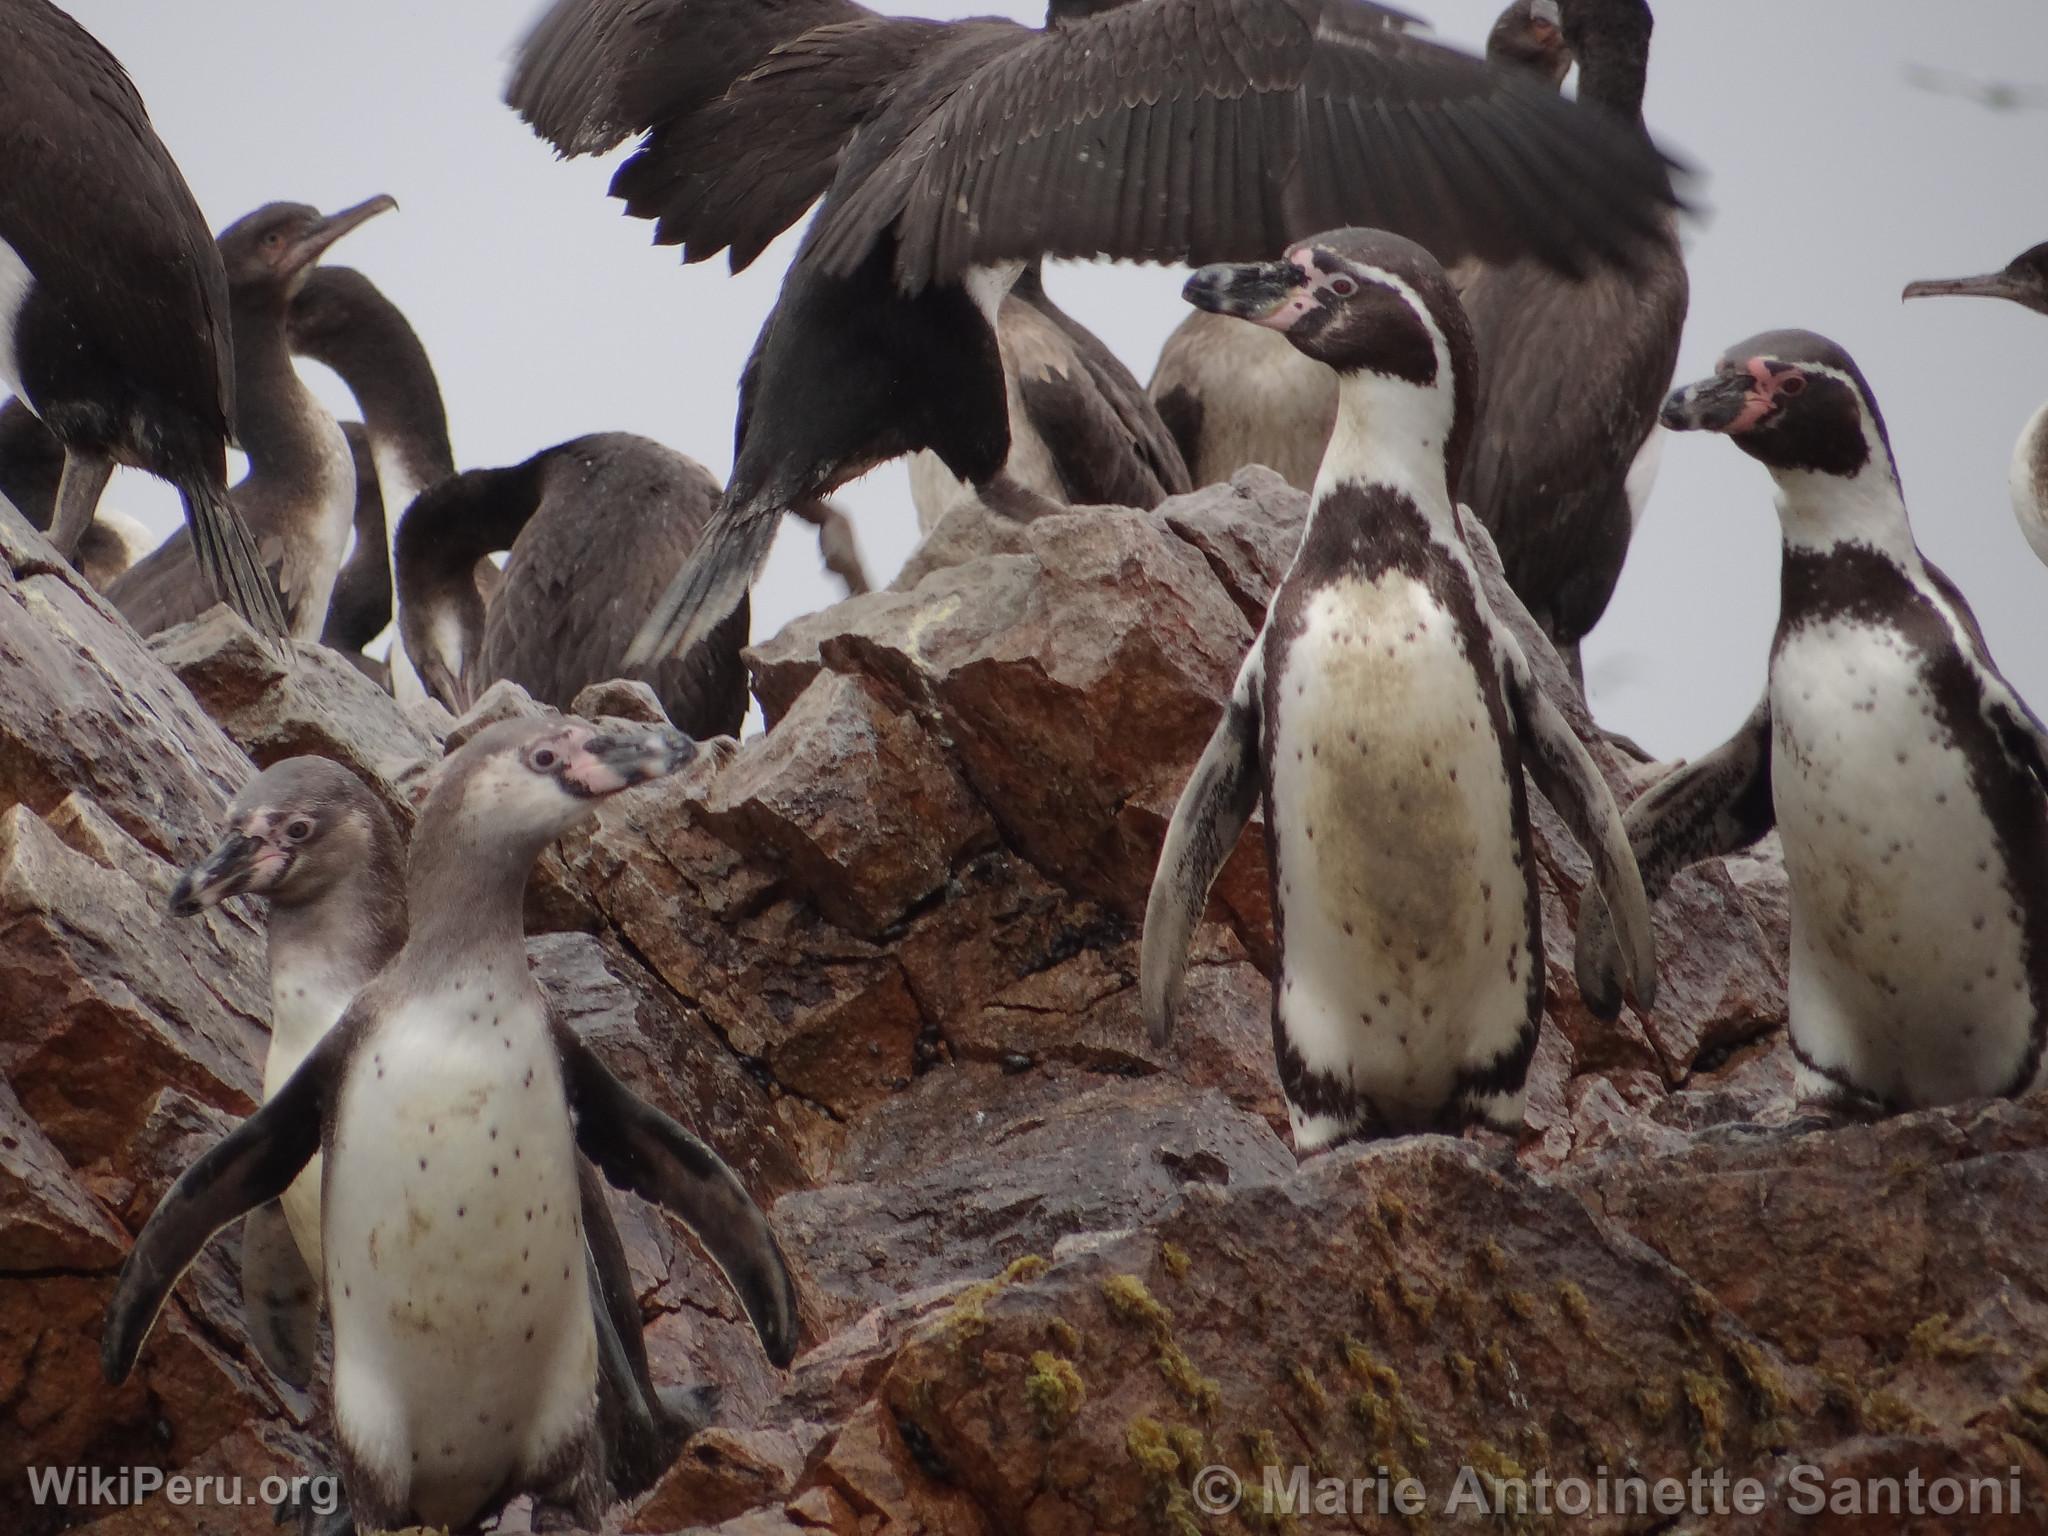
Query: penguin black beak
{"type": "Point", "coordinates": [1991, 285]}
{"type": "Point", "coordinates": [1719, 404]}
{"type": "Point", "coordinates": [624, 756]}
{"type": "Point", "coordinates": [225, 872]}
{"type": "Point", "coordinates": [1257, 291]}
{"type": "Point", "coordinates": [315, 242]}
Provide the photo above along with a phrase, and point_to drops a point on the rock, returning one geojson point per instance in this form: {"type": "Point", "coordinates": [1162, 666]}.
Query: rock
{"type": "Point", "coordinates": [884, 960]}
{"type": "Point", "coordinates": [623, 698]}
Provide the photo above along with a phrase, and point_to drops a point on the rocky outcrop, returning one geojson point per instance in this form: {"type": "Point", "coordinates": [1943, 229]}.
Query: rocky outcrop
{"type": "Point", "coordinates": [886, 961]}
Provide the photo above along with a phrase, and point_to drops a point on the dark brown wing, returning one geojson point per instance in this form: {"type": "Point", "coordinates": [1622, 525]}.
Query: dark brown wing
{"type": "Point", "coordinates": [1211, 130]}
{"type": "Point", "coordinates": [97, 208]}
{"type": "Point", "coordinates": [741, 170]}
{"type": "Point", "coordinates": [593, 72]}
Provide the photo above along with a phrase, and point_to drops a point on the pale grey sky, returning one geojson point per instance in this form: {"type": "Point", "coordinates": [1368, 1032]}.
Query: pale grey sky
{"type": "Point", "coordinates": [1831, 183]}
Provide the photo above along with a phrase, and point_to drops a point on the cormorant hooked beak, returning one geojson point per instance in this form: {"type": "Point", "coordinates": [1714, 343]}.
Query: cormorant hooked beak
{"type": "Point", "coordinates": [227, 871]}
{"type": "Point", "coordinates": [1270, 293]}
{"type": "Point", "coordinates": [315, 242]}
{"type": "Point", "coordinates": [1991, 285]}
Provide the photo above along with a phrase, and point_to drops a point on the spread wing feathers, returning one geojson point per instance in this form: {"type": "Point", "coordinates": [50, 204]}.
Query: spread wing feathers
{"type": "Point", "coordinates": [1558, 762]}
{"type": "Point", "coordinates": [280, 1297]}
{"type": "Point", "coordinates": [742, 169]}
{"type": "Point", "coordinates": [251, 1165]}
{"type": "Point", "coordinates": [1209, 130]}
{"type": "Point", "coordinates": [643, 1151]}
{"type": "Point", "coordinates": [89, 187]}
{"type": "Point", "coordinates": [1213, 809]}
{"type": "Point", "coordinates": [593, 72]}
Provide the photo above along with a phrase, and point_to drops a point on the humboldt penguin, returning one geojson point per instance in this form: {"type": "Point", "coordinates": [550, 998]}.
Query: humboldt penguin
{"type": "Point", "coordinates": [950, 154]}
{"type": "Point", "coordinates": [113, 298]}
{"type": "Point", "coordinates": [310, 839]}
{"type": "Point", "coordinates": [2024, 280]}
{"type": "Point", "coordinates": [1234, 394]}
{"type": "Point", "coordinates": [1383, 718]}
{"type": "Point", "coordinates": [299, 496]}
{"type": "Point", "coordinates": [595, 527]}
{"type": "Point", "coordinates": [1909, 783]}
{"type": "Point", "coordinates": [1082, 431]}
{"type": "Point", "coordinates": [450, 1109]}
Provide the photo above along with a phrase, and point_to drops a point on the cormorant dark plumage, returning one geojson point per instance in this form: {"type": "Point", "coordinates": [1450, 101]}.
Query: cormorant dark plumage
{"type": "Point", "coordinates": [1235, 394]}
{"type": "Point", "coordinates": [343, 320]}
{"type": "Point", "coordinates": [298, 498]}
{"type": "Point", "coordinates": [113, 301]}
{"type": "Point", "coordinates": [1083, 432]}
{"type": "Point", "coordinates": [1572, 373]}
{"type": "Point", "coordinates": [594, 527]}
{"type": "Point", "coordinates": [2023, 280]}
{"type": "Point", "coordinates": [948, 154]}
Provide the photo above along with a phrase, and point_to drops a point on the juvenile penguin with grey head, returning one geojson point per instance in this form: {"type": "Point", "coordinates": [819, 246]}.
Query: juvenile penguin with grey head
{"type": "Point", "coordinates": [2023, 281]}
{"type": "Point", "coordinates": [1908, 781]}
{"type": "Point", "coordinates": [1384, 716]}
{"type": "Point", "coordinates": [450, 1109]}
{"type": "Point", "coordinates": [310, 839]}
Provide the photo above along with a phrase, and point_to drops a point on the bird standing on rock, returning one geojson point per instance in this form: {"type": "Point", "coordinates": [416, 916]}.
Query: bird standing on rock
{"type": "Point", "coordinates": [1908, 781]}
{"type": "Point", "coordinates": [113, 299]}
{"type": "Point", "coordinates": [450, 1109]}
{"type": "Point", "coordinates": [2023, 280]}
{"type": "Point", "coordinates": [1384, 716]}
{"type": "Point", "coordinates": [299, 496]}
{"type": "Point", "coordinates": [949, 155]}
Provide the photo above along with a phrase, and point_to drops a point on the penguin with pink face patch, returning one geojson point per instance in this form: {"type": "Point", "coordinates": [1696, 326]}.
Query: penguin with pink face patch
{"type": "Point", "coordinates": [449, 1109]}
{"type": "Point", "coordinates": [1907, 779]}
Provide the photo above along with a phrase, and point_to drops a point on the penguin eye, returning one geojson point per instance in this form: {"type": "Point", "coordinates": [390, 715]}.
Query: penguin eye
{"type": "Point", "coordinates": [545, 758]}
{"type": "Point", "coordinates": [1343, 287]}
{"type": "Point", "coordinates": [1792, 384]}
{"type": "Point", "coordinates": [298, 829]}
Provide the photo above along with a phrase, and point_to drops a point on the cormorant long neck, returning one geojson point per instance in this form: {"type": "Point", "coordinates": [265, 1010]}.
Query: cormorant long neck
{"type": "Point", "coordinates": [278, 419]}
{"type": "Point", "coordinates": [366, 339]}
{"type": "Point", "coordinates": [1612, 45]}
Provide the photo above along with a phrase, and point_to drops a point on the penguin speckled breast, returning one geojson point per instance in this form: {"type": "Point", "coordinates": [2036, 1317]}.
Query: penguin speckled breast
{"type": "Point", "coordinates": [450, 1108]}
{"type": "Point", "coordinates": [1384, 715]}
{"type": "Point", "coordinates": [1906, 777]}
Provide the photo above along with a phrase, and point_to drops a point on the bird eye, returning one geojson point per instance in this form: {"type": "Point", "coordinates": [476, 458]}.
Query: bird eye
{"type": "Point", "coordinates": [1343, 287]}
{"type": "Point", "coordinates": [1792, 384]}
{"type": "Point", "coordinates": [545, 758]}
{"type": "Point", "coordinates": [299, 829]}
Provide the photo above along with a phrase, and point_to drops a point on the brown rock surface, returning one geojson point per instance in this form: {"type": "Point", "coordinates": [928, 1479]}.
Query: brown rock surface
{"type": "Point", "coordinates": [885, 960]}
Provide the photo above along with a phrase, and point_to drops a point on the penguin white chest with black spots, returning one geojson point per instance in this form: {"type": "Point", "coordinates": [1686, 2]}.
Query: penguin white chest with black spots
{"type": "Point", "coordinates": [1905, 776]}
{"type": "Point", "coordinates": [1405, 956]}
{"type": "Point", "coordinates": [1907, 971]}
{"type": "Point", "coordinates": [1384, 717]}
{"type": "Point", "coordinates": [306, 998]}
{"type": "Point", "coordinates": [465, 1359]}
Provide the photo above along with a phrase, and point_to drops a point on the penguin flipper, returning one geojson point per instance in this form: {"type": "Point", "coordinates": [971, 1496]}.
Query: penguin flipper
{"type": "Point", "coordinates": [645, 1152]}
{"type": "Point", "coordinates": [635, 1460]}
{"type": "Point", "coordinates": [1559, 763]}
{"type": "Point", "coordinates": [250, 1166]}
{"type": "Point", "coordinates": [280, 1297]}
{"type": "Point", "coordinates": [1212, 812]}
{"type": "Point", "coordinates": [1706, 809]}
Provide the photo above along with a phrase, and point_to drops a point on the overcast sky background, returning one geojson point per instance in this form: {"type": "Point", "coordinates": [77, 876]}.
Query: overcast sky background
{"type": "Point", "coordinates": [1830, 182]}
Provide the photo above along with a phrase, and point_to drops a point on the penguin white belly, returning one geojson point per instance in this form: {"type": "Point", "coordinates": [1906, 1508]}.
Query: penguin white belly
{"type": "Point", "coordinates": [1906, 945]}
{"type": "Point", "coordinates": [1405, 941]}
{"type": "Point", "coordinates": [305, 1002]}
{"type": "Point", "coordinates": [15, 282]}
{"type": "Point", "coordinates": [2028, 481]}
{"type": "Point", "coordinates": [464, 1354]}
